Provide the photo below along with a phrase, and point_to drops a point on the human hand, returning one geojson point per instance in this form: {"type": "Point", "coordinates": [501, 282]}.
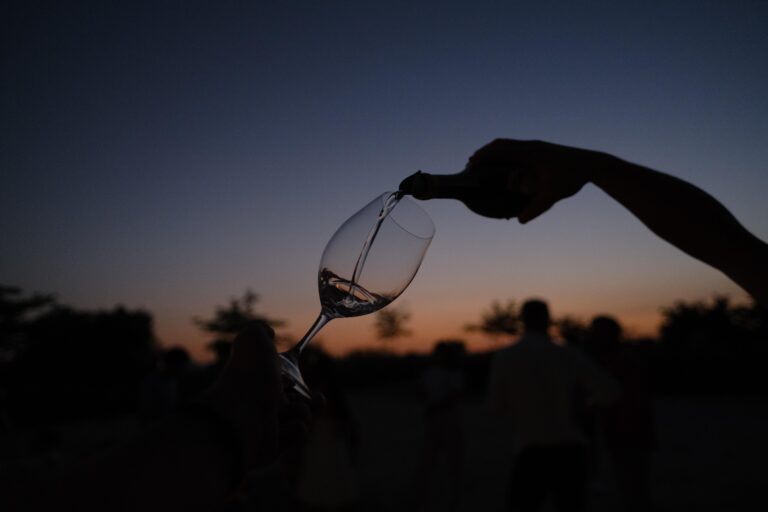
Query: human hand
{"type": "Point", "coordinates": [544, 172]}
{"type": "Point", "coordinates": [249, 395]}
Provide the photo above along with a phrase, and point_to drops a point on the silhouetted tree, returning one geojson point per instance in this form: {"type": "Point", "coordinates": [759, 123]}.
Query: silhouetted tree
{"type": "Point", "coordinates": [714, 346]}
{"type": "Point", "coordinates": [229, 320]}
{"type": "Point", "coordinates": [698, 324]}
{"type": "Point", "coordinates": [78, 363]}
{"type": "Point", "coordinates": [498, 319]}
{"type": "Point", "coordinates": [390, 323]}
{"type": "Point", "coordinates": [753, 320]}
{"type": "Point", "coordinates": [17, 313]}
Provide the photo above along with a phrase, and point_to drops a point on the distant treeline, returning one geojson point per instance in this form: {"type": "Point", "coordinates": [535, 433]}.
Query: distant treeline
{"type": "Point", "coordinates": [712, 347]}
{"type": "Point", "coordinates": [704, 347]}
{"type": "Point", "coordinates": [58, 363]}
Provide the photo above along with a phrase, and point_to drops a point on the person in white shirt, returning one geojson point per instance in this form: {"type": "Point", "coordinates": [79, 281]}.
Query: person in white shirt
{"type": "Point", "coordinates": [537, 384]}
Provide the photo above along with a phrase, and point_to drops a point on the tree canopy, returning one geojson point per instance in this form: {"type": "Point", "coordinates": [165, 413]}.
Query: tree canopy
{"type": "Point", "coordinates": [500, 318]}
{"type": "Point", "coordinates": [229, 320]}
{"type": "Point", "coordinates": [390, 323]}
{"type": "Point", "coordinates": [17, 315]}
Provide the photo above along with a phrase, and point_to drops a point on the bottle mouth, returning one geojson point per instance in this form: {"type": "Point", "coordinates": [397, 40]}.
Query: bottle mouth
{"type": "Point", "coordinates": [415, 185]}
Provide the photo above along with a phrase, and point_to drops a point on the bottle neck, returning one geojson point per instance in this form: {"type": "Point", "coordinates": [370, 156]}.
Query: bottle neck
{"type": "Point", "coordinates": [486, 191]}
{"type": "Point", "coordinates": [437, 186]}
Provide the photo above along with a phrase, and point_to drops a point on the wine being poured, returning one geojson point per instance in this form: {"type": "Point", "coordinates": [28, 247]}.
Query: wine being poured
{"type": "Point", "coordinates": [348, 298]}
{"type": "Point", "coordinates": [344, 298]}
{"type": "Point", "coordinates": [368, 263]}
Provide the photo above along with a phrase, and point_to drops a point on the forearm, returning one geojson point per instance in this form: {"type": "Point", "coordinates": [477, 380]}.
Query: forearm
{"type": "Point", "coordinates": [688, 218]}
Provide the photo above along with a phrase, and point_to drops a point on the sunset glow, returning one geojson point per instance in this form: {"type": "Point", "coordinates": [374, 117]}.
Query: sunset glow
{"type": "Point", "coordinates": [171, 160]}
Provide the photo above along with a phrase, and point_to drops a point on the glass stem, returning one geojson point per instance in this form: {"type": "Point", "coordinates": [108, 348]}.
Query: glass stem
{"type": "Point", "coordinates": [295, 352]}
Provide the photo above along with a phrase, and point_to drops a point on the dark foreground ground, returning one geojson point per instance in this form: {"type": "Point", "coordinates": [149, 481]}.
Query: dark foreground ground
{"type": "Point", "coordinates": [713, 454]}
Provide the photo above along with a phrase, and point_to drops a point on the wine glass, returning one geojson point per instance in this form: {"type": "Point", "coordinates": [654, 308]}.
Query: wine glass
{"type": "Point", "coordinates": [368, 263]}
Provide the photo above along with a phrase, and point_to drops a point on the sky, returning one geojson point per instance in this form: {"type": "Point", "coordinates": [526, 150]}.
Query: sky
{"type": "Point", "coordinates": [170, 155]}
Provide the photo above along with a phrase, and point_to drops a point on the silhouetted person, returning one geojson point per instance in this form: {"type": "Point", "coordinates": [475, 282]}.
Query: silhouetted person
{"type": "Point", "coordinates": [626, 426]}
{"type": "Point", "coordinates": [194, 460]}
{"type": "Point", "coordinates": [328, 479]}
{"type": "Point", "coordinates": [574, 336]}
{"type": "Point", "coordinates": [221, 350]}
{"type": "Point", "coordinates": [163, 390]}
{"type": "Point", "coordinates": [539, 174]}
{"type": "Point", "coordinates": [439, 477]}
{"type": "Point", "coordinates": [536, 383]}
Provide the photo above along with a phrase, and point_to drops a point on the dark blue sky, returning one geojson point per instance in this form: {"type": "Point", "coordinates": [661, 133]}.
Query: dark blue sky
{"type": "Point", "coordinates": [170, 154]}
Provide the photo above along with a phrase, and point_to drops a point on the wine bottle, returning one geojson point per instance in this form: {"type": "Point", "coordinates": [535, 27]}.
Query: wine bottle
{"type": "Point", "coordinates": [485, 191]}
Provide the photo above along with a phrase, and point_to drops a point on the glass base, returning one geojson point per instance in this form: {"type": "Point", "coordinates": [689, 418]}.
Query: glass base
{"type": "Point", "coordinates": [291, 373]}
